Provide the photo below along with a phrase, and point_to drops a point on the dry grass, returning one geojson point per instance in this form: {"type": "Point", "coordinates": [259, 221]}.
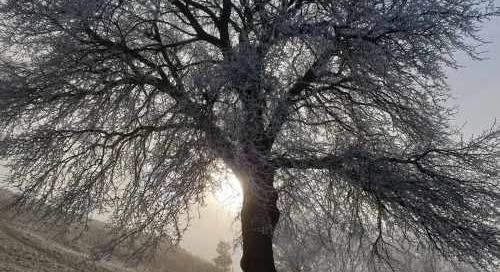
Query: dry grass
{"type": "Point", "coordinates": [28, 246]}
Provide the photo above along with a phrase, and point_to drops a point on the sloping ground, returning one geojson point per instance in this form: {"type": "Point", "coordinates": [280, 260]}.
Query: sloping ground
{"type": "Point", "coordinates": [28, 247]}
{"type": "Point", "coordinates": [24, 251]}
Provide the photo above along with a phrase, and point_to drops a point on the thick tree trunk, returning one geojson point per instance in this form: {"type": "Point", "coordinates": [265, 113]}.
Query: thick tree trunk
{"type": "Point", "coordinates": [259, 217]}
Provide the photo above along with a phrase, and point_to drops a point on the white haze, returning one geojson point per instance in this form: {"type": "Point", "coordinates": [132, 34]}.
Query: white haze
{"type": "Point", "coordinates": [475, 90]}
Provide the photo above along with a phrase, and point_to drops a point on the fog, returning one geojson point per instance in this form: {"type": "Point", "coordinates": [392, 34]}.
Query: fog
{"type": "Point", "coordinates": [474, 89]}
{"type": "Point", "coordinates": [214, 223]}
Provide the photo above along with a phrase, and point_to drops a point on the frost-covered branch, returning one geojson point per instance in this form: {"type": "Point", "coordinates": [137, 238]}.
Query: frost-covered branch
{"type": "Point", "coordinates": [326, 110]}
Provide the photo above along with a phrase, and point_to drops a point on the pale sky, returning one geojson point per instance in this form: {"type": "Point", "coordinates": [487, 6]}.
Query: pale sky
{"type": "Point", "coordinates": [476, 86]}
{"type": "Point", "coordinates": [476, 91]}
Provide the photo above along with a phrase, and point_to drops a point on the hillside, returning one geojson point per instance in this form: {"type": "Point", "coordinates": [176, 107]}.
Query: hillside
{"type": "Point", "coordinates": [26, 246]}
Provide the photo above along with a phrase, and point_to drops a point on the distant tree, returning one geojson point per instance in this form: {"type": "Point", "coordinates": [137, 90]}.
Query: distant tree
{"type": "Point", "coordinates": [332, 112]}
{"type": "Point", "coordinates": [223, 260]}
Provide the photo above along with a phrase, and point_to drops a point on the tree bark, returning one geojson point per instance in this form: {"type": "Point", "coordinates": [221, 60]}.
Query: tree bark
{"type": "Point", "coordinates": [259, 217]}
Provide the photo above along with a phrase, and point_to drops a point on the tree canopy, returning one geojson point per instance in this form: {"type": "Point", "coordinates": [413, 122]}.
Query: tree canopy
{"type": "Point", "coordinates": [330, 112]}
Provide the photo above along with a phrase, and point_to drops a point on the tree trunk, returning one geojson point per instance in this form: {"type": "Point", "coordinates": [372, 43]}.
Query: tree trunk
{"type": "Point", "coordinates": [259, 217]}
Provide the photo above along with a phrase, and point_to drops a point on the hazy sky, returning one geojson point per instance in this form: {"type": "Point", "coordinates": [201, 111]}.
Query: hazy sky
{"type": "Point", "coordinates": [476, 91]}
{"type": "Point", "coordinates": [476, 87]}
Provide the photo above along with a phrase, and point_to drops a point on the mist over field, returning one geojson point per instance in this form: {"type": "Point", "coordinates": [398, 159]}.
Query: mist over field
{"type": "Point", "coordinates": [27, 245]}
{"type": "Point", "coordinates": [474, 90]}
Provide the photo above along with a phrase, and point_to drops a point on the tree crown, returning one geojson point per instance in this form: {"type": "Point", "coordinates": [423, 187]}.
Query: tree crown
{"type": "Point", "coordinates": [132, 104]}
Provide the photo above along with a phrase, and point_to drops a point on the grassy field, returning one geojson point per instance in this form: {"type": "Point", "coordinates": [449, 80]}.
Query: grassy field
{"type": "Point", "coordinates": [26, 246]}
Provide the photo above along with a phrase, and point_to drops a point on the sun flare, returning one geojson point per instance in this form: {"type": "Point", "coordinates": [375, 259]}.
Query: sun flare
{"type": "Point", "coordinates": [227, 191]}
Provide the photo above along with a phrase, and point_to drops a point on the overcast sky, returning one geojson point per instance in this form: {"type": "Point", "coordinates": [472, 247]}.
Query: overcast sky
{"type": "Point", "coordinates": [475, 90]}
{"type": "Point", "coordinates": [476, 86]}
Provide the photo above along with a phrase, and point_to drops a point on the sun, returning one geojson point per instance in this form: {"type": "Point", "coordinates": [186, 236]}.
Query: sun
{"type": "Point", "coordinates": [227, 191]}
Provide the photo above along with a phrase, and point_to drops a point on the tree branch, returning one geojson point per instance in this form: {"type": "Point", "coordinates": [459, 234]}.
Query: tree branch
{"type": "Point", "coordinates": [224, 148]}
{"type": "Point", "coordinates": [195, 24]}
{"type": "Point", "coordinates": [280, 114]}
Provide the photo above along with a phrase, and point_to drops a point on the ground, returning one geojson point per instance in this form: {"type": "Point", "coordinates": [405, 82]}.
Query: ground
{"type": "Point", "coordinates": [27, 246]}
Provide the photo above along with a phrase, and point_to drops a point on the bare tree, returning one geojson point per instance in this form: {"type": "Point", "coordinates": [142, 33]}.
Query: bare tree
{"type": "Point", "coordinates": [330, 109]}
